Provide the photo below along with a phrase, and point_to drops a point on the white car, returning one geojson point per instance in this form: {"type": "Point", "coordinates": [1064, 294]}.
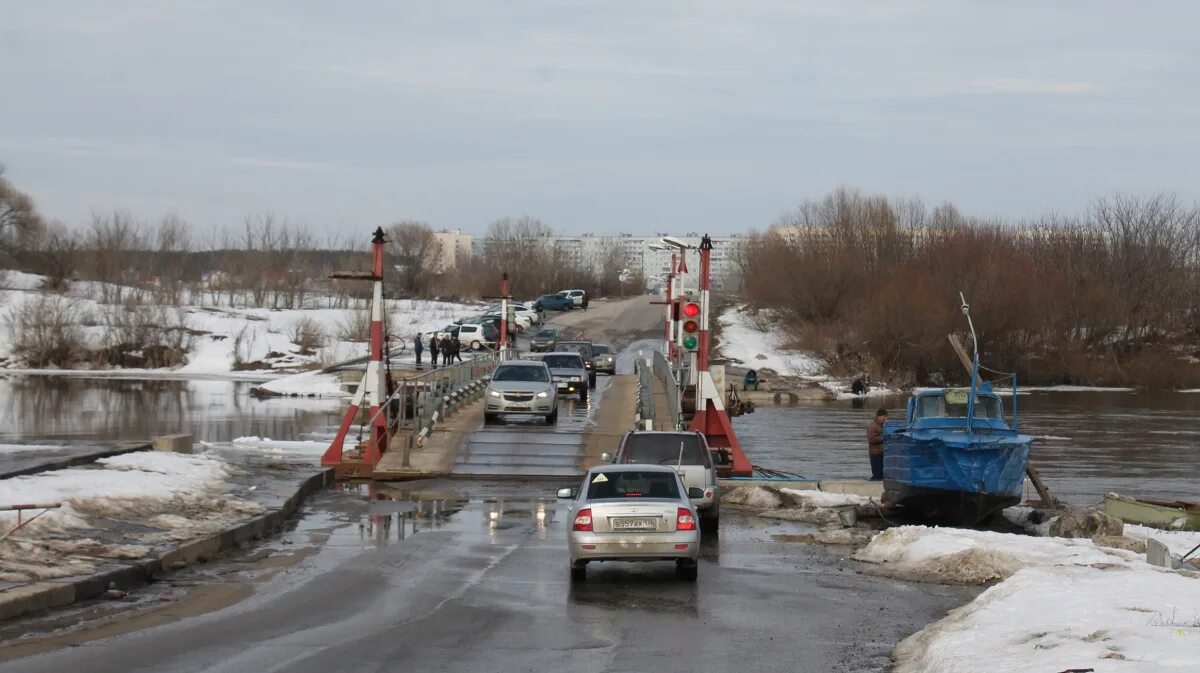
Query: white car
{"type": "Point", "coordinates": [576, 296]}
{"type": "Point", "coordinates": [472, 336]}
{"type": "Point", "coordinates": [632, 513]}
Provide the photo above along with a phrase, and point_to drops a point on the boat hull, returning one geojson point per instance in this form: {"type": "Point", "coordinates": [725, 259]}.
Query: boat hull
{"type": "Point", "coordinates": [954, 480]}
{"type": "Point", "coordinates": [949, 508]}
{"type": "Point", "coordinates": [1153, 513]}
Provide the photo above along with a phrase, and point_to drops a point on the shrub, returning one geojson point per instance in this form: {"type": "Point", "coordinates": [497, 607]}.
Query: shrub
{"type": "Point", "coordinates": [308, 334]}
{"type": "Point", "coordinates": [44, 331]}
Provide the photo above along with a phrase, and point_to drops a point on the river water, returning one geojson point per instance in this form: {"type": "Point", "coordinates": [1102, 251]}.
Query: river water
{"type": "Point", "coordinates": [1088, 443]}
{"type": "Point", "coordinates": [1142, 444]}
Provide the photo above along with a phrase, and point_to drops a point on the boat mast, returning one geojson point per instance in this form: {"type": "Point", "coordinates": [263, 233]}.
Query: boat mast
{"type": "Point", "coordinates": [966, 311]}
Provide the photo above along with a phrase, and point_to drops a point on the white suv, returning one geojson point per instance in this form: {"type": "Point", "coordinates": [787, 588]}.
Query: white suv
{"type": "Point", "coordinates": [576, 296]}
{"type": "Point", "coordinates": [471, 336]}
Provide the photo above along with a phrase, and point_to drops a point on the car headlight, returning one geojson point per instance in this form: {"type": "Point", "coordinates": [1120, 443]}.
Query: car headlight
{"type": "Point", "coordinates": [493, 393]}
{"type": "Point", "coordinates": [543, 395]}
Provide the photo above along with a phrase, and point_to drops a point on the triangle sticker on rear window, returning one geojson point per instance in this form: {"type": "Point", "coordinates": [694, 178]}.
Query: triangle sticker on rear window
{"type": "Point", "coordinates": [600, 479]}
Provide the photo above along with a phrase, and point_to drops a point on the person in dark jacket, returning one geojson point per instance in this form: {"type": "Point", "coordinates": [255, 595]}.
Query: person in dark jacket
{"type": "Point", "coordinates": [584, 302]}
{"type": "Point", "coordinates": [418, 347]}
{"type": "Point", "coordinates": [750, 379]}
{"type": "Point", "coordinates": [447, 346]}
{"type": "Point", "coordinates": [875, 444]}
{"type": "Point", "coordinates": [433, 349]}
{"type": "Point", "coordinates": [455, 349]}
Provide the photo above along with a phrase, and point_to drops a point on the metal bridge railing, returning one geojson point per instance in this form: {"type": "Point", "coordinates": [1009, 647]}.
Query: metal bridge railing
{"type": "Point", "coordinates": [664, 373]}
{"type": "Point", "coordinates": [418, 403]}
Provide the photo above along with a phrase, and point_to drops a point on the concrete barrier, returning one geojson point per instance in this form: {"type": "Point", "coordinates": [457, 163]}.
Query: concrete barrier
{"type": "Point", "coordinates": [173, 443]}
{"type": "Point", "coordinates": [18, 601]}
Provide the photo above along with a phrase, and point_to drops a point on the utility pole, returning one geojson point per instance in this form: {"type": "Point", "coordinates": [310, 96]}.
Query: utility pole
{"type": "Point", "coordinates": [504, 296]}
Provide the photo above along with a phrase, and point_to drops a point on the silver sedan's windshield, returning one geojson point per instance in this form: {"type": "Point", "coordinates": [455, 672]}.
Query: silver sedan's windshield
{"type": "Point", "coordinates": [522, 373]}
{"type": "Point", "coordinates": [632, 484]}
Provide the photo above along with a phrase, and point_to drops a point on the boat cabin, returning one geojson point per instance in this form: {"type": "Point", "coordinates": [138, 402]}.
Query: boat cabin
{"type": "Point", "coordinates": [947, 409]}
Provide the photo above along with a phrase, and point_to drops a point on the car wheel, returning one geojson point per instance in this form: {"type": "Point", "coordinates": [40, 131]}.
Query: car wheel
{"type": "Point", "coordinates": [578, 572]}
{"type": "Point", "coordinates": [687, 570]}
{"type": "Point", "coordinates": [475, 345]}
{"type": "Point", "coordinates": [552, 417]}
{"type": "Point", "coordinates": [583, 394]}
{"type": "Point", "coordinates": [592, 380]}
{"type": "Point", "coordinates": [488, 419]}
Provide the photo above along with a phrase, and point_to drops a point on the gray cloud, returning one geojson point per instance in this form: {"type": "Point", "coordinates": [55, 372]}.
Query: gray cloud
{"type": "Point", "coordinates": [595, 116]}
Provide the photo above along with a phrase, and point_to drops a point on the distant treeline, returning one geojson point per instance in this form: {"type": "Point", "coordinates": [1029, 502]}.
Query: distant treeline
{"type": "Point", "coordinates": [1111, 296]}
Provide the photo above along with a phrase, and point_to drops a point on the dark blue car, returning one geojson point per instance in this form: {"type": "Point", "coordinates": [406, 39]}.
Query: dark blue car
{"type": "Point", "coordinates": [554, 302]}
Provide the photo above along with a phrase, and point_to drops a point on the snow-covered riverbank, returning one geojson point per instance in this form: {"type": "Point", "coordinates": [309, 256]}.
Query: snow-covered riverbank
{"type": "Point", "coordinates": [219, 340]}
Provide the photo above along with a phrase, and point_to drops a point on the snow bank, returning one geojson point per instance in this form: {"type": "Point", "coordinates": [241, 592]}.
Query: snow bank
{"type": "Point", "coordinates": [1191, 390]}
{"type": "Point", "coordinates": [1059, 618]}
{"type": "Point", "coordinates": [839, 388]}
{"type": "Point", "coordinates": [815, 499]}
{"type": "Point", "coordinates": [282, 447]}
{"type": "Point", "coordinates": [307, 384]}
{"type": "Point", "coordinates": [963, 556]}
{"type": "Point", "coordinates": [752, 497]}
{"type": "Point", "coordinates": [1179, 542]}
{"type": "Point", "coordinates": [757, 349]}
{"type": "Point", "coordinates": [128, 485]}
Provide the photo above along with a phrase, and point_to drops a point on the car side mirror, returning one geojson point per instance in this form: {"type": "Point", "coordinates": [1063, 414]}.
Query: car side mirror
{"type": "Point", "coordinates": [566, 493]}
{"type": "Point", "coordinates": [694, 492]}
{"type": "Point", "coordinates": [606, 457]}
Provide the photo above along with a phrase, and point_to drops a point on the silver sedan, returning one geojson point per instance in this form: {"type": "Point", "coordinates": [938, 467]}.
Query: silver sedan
{"type": "Point", "coordinates": [521, 387]}
{"type": "Point", "coordinates": [632, 513]}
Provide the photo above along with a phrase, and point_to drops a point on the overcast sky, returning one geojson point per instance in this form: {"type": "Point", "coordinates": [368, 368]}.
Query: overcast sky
{"type": "Point", "coordinates": [605, 116]}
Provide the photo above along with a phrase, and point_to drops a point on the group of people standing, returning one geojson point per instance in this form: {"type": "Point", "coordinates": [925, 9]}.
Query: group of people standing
{"type": "Point", "coordinates": [449, 347]}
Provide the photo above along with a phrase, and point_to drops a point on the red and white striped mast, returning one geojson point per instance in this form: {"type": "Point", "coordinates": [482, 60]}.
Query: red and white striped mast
{"type": "Point", "coordinates": [376, 378]}
{"type": "Point", "coordinates": [373, 389]}
{"type": "Point", "coordinates": [711, 418]}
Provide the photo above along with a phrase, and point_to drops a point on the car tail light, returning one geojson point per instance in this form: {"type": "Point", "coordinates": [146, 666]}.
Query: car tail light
{"type": "Point", "coordinates": [583, 520]}
{"type": "Point", "coordinates": [683, 521]}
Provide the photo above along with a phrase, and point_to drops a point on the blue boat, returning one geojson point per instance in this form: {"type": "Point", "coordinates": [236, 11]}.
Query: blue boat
{"type": "Point", "coordinates": [953, 459]}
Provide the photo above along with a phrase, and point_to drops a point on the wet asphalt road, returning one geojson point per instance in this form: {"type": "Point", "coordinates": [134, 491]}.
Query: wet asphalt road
{"type": "Point", "coordinates": [472, 576]}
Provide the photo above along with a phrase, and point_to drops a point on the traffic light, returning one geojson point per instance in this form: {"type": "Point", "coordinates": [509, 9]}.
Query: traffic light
{"type": "Point", "coordinates": [691, 325]}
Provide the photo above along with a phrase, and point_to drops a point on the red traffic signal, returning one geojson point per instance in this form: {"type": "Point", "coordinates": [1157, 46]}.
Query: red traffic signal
{"type": "Point", "coordinates": [691, 309]}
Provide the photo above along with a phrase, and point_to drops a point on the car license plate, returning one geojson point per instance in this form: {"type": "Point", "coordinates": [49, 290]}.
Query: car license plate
{"type": "Point", "coordinates": [513, 407]}
{"type": "Point", "coordinates": [634, 524]}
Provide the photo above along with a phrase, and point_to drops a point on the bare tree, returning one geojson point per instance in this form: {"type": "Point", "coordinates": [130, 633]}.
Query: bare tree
{"type": "Point", "coordinates": [20, 223]}
{"type": "Point", "coordinates": [173, 243]}
{"type": "Point", "coordinates": [415, 252]}
{"type": "Point", "coordinates": [115, 243]}
{"type": "Point", "coordinates": [58, 255]}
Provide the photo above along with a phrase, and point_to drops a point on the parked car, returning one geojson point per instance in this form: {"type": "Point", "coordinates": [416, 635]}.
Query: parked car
{"type": "Point", "coordinates": [568, 372]}
{"type": "Point", "coordinates": [521, 387]}
{"type": "Point", "coordinates": [584, 348]}
{"type": "Point", "coordinates": [632, 513]}
{"type": "Point", "coordinates": [554, 302]}
{"type": "Point", "coordinates": [491, 325]}
{"type": "Point", "coordinates": [544, 340]}
{"type": "Point", "coordinates": [447, 332]}
{"type": "Point", "coordinates": [576, 296]}
{"type": "Point", "coordinates": [688, 453]}
{"type": "Point", "coordinates": [476, 337]}
{"type": "Point", "coordinates": [604, 360]}
{"type": "Point", "coordinates": [533, 306]}
{"type": "Point", "coordinates": [517, 319]}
